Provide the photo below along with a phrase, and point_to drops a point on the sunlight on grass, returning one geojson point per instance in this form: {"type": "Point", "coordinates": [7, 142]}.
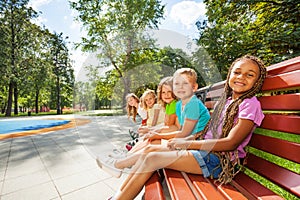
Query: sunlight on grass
{"type": "Point", "coordinates": [268, 184]}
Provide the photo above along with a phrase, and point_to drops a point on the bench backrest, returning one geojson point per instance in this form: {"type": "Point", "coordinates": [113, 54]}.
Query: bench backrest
{"type": "Point", "coordinates": [274, 152]}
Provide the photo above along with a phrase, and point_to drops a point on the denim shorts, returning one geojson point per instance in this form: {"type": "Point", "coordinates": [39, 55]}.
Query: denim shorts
{"type": "Point", "coordinates": [208, 162]}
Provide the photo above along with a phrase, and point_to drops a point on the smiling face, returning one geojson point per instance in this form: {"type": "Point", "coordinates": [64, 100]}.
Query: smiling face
{"type": "Point", "coordinates": [132, 101]}
{"type": "Point", "coordinates": [243, 76]}
{"type": "Point", "coordinates": [166, 94]}
{"type": "Point", "coordinates": [182, 87]}
{"type": "Point", "coordinates": [149, 100]}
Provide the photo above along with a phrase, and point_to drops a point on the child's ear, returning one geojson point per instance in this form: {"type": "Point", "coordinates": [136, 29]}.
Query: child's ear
{"type": "Point", "coordinates": [195, 87]}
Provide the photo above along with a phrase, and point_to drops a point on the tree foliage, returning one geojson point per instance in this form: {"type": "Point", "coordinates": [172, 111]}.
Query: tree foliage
{"type": "Point", "coordinates": [26, 67]}
{"type": "Point", "coordinates": [115, 28]}
{"type": "Point", "coordinates": [268, 29]}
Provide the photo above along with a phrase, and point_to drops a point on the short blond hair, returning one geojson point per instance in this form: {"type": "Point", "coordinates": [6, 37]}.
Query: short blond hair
{"type": "Point", "coordinates": [190, 73]}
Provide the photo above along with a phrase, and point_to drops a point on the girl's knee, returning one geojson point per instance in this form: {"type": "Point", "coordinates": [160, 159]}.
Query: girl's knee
{"type": "Point", "coordinates": [151, 157]}
{"type": "Point", "coordinates": [148, 148]}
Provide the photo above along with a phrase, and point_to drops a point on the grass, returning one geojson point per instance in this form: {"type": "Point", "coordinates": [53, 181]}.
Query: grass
{"type": "Point", "coordinates": [270, 185]}
{"type": "Point", "coordinates": [292, 166]}
{"type": "Point", "coordinates": [105, 112]}
{"type": "Point", "coordinates": [52, 112]}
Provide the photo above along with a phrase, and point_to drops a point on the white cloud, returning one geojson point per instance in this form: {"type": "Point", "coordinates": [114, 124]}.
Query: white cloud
{"type": "Point", "coordinates": [35, 4]}
{"type": "Point", "coordinates": [40, 21]}
{"type": "Point", "coordinates": [75, 25]}
{"type": "Point", "coordinates": [79, 58]}
{"type": "Point", "coordinates": [187, 12]}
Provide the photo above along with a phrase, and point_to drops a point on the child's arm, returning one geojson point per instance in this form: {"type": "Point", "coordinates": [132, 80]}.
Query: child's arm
{"type": "Point", "coordinates": [171, 119]}
{"type": "Point", "coordinates": [187, 128]}
{"type": "Point", "coordinates": [155, 117]}
{"type": "Point", "coordinates": [235, 137]}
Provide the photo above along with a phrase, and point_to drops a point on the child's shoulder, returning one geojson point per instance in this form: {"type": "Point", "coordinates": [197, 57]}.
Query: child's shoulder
{"type": "Point", "coordinates": [172, 103]}
{"type": "Point", "coordinates": [195, 99]}
{"type": "Point", "coordinates": [250, 102]}
{"type": "Point", "coordinates": [157, 106]}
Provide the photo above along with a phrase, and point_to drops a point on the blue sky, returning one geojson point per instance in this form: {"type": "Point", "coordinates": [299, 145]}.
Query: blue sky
{"type": "Point", "coordinates": [56, 15]}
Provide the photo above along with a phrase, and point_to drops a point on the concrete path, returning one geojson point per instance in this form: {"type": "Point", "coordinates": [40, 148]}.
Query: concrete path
{"type": "Point", "coordinates": [61, 165]}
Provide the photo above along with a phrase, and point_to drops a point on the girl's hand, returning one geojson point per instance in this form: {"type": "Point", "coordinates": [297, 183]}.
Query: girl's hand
{"type": "Point", "coordinates": [143, 130]}
{"type": "Point", "coordinates": [152, 135]}
{"type": "Point", "coordinates": [178, 144]}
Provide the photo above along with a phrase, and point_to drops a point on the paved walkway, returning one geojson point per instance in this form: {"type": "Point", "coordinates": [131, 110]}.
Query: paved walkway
{"type": "Point", "coordinates": [61, 165]}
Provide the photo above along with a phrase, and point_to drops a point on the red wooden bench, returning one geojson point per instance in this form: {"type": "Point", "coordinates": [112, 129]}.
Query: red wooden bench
{"type": "Point", "coordinates": [273, 166]}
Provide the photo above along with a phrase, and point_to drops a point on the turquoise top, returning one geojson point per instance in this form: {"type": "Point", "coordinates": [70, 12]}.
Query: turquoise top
{"type": "Point", "coordinates": [193, 110]}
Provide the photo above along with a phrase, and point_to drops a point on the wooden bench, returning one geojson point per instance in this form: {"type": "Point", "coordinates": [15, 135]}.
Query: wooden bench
{"type": "Point", "coordinates": [273, 165]}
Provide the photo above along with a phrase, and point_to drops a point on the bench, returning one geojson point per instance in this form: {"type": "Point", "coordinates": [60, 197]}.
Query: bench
{"type": "Point", "coordinates": [273, 164]}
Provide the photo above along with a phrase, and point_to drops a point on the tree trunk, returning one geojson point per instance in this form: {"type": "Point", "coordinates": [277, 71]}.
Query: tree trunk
{"type": "Point", "coordinates": [37, 101]}
{"type": "Point", "coordinates": [58, 111]}
{"type": "Point", "coordinates": [9, 101]}
{"type": "Point", "coordinates": [126, 82]}
{"type": "Point", "coordinates": [16, 96]}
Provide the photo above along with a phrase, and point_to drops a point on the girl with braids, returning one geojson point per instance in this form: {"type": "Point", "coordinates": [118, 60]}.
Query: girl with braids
{"type": "Point", "coordinates": [224, 138]}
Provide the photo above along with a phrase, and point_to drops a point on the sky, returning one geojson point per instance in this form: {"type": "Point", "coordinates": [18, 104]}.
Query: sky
{"type": "Point", "coordinates": [57, 16]}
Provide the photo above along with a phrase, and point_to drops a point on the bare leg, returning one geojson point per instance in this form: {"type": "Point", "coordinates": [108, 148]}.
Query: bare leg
{"type": "Point", "coordinates": [131, 159]}
{"type": "Point", "coordinates": [138, 146]}
{"type": "Point", "coordinates": [141, 144]}
{"type": "Point", "coordinates": [177, 160]}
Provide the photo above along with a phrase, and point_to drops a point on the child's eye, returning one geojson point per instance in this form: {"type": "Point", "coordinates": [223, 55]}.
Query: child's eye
{"type": "Point", "coordinates": [250, 75]}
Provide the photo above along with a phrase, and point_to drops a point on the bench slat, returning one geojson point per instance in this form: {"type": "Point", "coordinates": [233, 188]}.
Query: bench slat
{"type": "Point", "coordinates": [280, 102]}
{"type": "Point", "coordinates": [286, 179]}
{"type": "Point", "coordinates": [178, 187]}
{"type": "Point", "coordinates": [252, 189]}
{"type": "Point", "coordinates": [228, 191]}
{"type": "Point", "coordinates": [204, 188]}
{"type": "Point", "coordinates": [281, 148]}
{"type": "Point", "coordinates": [279, 123]}
{"type": "Point", "coordinates": [283, 67]}
{"type": "Point", "coordinates": [287, 80]}
{"type": "Point", "coordinates": [215, 93]}
{"type": "Point", "coordinates": [154, 189]}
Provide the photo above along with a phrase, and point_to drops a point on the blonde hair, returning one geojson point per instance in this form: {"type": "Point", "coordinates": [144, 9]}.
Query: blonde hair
{"type": "Point", "coordinates": [168, 81]}
{"type": "Point", "coordinates": [229, 166]}
{"type": "Point", "coordinates": [190, 73]}
{"type": "Point", "coordinates": [146, 93]}
{"type": "Point", "coordinates": [131, 110]}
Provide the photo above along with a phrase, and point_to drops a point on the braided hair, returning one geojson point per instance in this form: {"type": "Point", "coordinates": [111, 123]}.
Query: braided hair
{"type": "Point", "coordinates": [229, 166]}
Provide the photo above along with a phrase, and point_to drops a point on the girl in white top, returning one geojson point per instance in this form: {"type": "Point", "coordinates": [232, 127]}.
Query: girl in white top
{"type": "Point", "coordinates": [134, 106]}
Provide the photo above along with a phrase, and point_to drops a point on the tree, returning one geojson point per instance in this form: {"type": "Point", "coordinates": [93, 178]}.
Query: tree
{"type": "Point", "coordinates": [15, 18]}
{"type": "Point", "coordinates": [35, 54]}
{"type": "Point", "coordinates": [115, 28]}
{"type": "Point", "coordinates": [268, 29]}
{"type": "Point", "coordinates": [62, 69]}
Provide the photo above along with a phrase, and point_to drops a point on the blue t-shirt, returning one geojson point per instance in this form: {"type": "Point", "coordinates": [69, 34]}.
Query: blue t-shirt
{"type": "Point", "coordinates": [193, 110]}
